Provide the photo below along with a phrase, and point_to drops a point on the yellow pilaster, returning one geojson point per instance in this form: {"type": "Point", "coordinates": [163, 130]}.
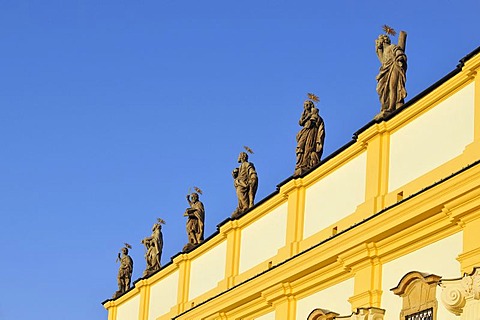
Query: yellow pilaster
{"type": "Point", "coordinates": [282, 299]}
{"type": "Point", "coordinates": [144, 288]}
{"type": "Point", "coordinates": [183, 264]}
{"type": "Point", "coordinates": [285, 309]}
{"type": "Point", "coordinates": [232, 233]}
{"type": "Point", "coordinates": [377, 141]}
{"type": "Point", "coordinates": [294, 191]}
{"type": "Point", "coordinates": [477, 102]}
{"type": "Point", "coordinates": [367, 271]}
{"type": "Point", "coordinates": [112, 310]}
{"type": "Point", "coordinates": [470, 257]}
{"type": "Point", "coordinates": [471, 70]}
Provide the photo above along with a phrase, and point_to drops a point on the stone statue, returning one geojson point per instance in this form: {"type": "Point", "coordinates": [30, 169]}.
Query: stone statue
{"type": "Point", "coordinates": [125, 270]}
{"type": "Point", "coordinates": [309, 139]}
{"type": "Point", "coordinates": [245, 180]}
{"type": "Point", "coordinates": [154, 247]}
{"type": "Point", "coordinates": [392, 75]}
{"type": "Point", "coordinates": [195, 221]}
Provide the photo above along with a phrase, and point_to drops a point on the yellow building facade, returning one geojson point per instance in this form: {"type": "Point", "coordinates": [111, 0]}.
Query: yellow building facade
{"type": "Point", "coordinates": [403, 196]}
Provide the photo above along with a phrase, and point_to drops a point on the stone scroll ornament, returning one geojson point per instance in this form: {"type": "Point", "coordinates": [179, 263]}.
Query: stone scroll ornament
{"type": "Point", "coordinates": [124, 277]}
{"type": "Point", "coordinates": [310, 138]}
{"type": "Point", "coordinates": [195, 220]}
{"type": "Point", "coordinates": [153, 248]}
{"type": "Point", "coordinates": [391, 78]}
{"type": "Point", "coordinates": [245, 181]}
{"type": "Point", "coordinates": [462, 296]}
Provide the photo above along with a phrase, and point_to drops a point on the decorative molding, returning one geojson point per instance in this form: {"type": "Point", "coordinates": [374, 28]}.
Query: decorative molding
{"type": "Point", "coordinates": [277, 293]}
{"type": "Point", "coordinates": [368, 314]}
{"type": "Point", "coordinates": [322, 314]}
{"type": "Point", "coordinates": [376, 130]}
{"type": "Point", "coordinates": [418, 292]}
{"type": "Point", "coordinates": [359, 314]}
{"type": "Point", "coordinates": [457, 294]}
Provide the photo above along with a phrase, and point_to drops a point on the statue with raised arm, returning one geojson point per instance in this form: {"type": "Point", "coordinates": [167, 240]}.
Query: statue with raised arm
{"type": "Point", "coordinates": [125, 270]}
{"type": "Point", "coordinates": [154, 247]}
{"type": "Point", "coordinates": [245, 181]}
{"type": "Point", "coordinates": [310, 138]}
{"type": "Point", "coordinates": [195, 221]}
{"type": "Point", "coordinates": [391, 78]}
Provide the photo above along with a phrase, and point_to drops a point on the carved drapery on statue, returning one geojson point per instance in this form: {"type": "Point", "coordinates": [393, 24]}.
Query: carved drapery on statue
{"type": "Point", "coordinates": [391, 78]}
{"type": "Point", "coordinates": [195, 222]}
{"type": "Point", "coordinates": [309, 139]}
{"type": "Point", "coordinates": [124, 277]}
{"type": "Point", "coordinates": [153, 246]}
{"type": "Point", "coordinates": [245, 181]}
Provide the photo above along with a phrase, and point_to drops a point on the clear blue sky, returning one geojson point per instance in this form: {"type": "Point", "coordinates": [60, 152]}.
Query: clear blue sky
{"type": "Point", "coordinates": [111, 110]}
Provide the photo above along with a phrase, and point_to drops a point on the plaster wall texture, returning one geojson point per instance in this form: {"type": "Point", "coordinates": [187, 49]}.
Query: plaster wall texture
{"type": "Point", "coordinates": [262, 239]}
{"type": "Point", "coordinates": [163, 296]}
{"type": "Point", "coordinates": [268, 316]}
{"type": "Point", "coordinates": [432, 139]}
{"type": "Point", "coordinates": [335, 196]}
{"type": "Point", "coordinates": [207, 270]}
{"type": "Point", "coordinates": [437, 258]}
{"type": "Point", "coordinates": [334, 298]}
{"type": "Point", "coordinates": [129, 310]}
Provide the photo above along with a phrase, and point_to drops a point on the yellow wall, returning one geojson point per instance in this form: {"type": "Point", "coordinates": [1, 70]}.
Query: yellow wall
{"type": "Point", "coordinates": [129, 309]}
{"type": "Point", "coordinates": [396, 199]}
{"type": "Point", "coordinates": [334, 298]}
{"type": "Point", "coordinates": [425, 259]}
{"type": "Point", "coordinates": [207, 270]}
{"type": "Point", "coordinates": [268, 316]}
{"type": "Point", "coordinates": [438, 135]}
{"type": "Point", "coordinates": [163, 296]}
{"type": "Point", "coordinates": [262, 239]}
{"type": "Point", "coordinates": [325, 201]}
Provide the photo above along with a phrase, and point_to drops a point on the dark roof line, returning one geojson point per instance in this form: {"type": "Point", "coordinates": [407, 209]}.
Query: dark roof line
{"type": "Point", "coordinates": [416, 98]}
{"type": "Point", "coordinates": [474, 164]}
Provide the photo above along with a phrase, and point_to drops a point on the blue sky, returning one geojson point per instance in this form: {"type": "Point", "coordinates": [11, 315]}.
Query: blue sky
{"type": "Point", "coordinates": [111, 110]}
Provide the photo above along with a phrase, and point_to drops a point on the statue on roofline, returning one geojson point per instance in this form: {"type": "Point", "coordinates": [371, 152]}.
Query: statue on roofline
{"type": "Point", "coordinates": [310, 138]}
{"type": "Point", "coordinates": [195, 222]}
{"type": "Point", "coordinates": [391, 78]}
{"type": "Point", "coordinates": [124, 277]}
{"type": "Point", "coordinates": [245, 181]}
{"type": "Point", "coordinates": [154, 247]}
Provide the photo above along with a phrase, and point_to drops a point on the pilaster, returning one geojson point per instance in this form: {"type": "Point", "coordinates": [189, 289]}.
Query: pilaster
{"type": "Point", "coordinates": [183, 264]}
{"type": "Point", "coordinates": [474, 71]}
{"type": "Point", "coordinates": [232, 233]}
{"type": "Point", "coordinates": [285, 308]}
{"type": "Point", "coordinates": [144, 293]}
{"type": "Point", "coordinates": [377, 142]}
{"type": "Point", "coordinates": [111, 309]}
{"type": "Point", "coordinates": [294, 191]}
{"type": "Point", "coordinates": [283, 301]}
{"type": "Point", "coordinates": [367, 269]}
{"type": "Point", "coordinates": [471, 70]}
{"type": "Point", "coordinates": [470, 257]}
